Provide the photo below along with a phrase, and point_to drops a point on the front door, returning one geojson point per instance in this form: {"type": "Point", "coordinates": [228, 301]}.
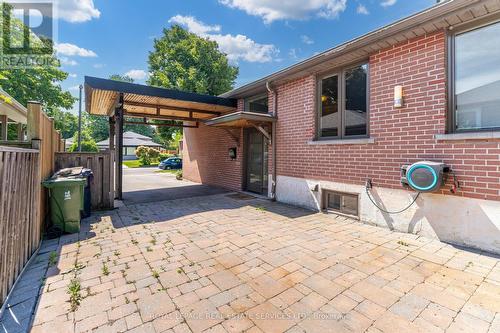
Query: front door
{"type": "Point", "coordinates": [256, 162]}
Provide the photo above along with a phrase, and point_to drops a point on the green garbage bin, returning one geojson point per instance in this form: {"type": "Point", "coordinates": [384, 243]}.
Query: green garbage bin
{"type": "Point", "coordinates": [66, 202]}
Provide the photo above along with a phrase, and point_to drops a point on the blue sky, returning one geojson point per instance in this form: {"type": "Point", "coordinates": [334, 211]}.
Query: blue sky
{"type": "Point", "coordinates": [105, 37]}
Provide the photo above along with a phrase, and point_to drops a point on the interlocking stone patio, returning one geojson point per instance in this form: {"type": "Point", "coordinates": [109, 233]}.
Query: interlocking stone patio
{"type": "Point", "coordinates": [218, 264]}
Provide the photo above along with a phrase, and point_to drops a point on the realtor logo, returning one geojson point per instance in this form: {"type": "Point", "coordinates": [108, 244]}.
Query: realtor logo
{"type": "Point", "coordinates": [27, 34]}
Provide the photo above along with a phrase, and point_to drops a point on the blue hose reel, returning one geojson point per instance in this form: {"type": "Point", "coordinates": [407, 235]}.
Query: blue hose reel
{"type": "Point", "coordinates": [424, 176]}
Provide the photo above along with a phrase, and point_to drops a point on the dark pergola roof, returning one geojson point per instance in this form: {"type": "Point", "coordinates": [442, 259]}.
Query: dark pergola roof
{"type": "Point", "coordinates": [103, 96]}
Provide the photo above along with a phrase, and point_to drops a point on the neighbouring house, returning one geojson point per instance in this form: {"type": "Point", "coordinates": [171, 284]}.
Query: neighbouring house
{"type": "Point", "coordinates": [312, 134]}
{"type": "Point", "coordinates": [131, 141]}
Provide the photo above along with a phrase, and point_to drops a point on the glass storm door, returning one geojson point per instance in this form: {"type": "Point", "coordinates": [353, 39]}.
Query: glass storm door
{"type": "Point", "coordinates": [256, 162]}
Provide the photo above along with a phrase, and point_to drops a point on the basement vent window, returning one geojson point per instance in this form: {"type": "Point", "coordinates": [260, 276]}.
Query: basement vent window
{"type": "Point", "coordinates": [343, 203]}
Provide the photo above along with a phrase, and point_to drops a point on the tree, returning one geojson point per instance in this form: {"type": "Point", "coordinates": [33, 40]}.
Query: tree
{"type": "Point", "coordinates": [123, 78]}
{"type": "Point", "coordinates": [98, 126]}
{"type": "Point", "coordinates": [65, 122]}
{"type": "Point", "coordinates": [35, 83]}
{"type": "Point", "coordinates": [88, 143]}
{"type": "Point", "coordinates": [184, 61]}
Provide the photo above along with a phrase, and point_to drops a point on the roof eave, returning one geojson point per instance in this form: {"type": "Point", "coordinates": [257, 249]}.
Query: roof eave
{"type": "Point", "coordinates": [385, 32]}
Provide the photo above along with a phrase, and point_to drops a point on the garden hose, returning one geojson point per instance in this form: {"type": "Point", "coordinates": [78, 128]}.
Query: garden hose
{"type": "Point", "coordinates": [369, 186]}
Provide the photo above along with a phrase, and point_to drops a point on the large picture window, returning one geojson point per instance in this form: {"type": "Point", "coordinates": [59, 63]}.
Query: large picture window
{"type": "Point", "coordinates": [344, 103]}
{"type": "Point", "coordinates": [476, 78]}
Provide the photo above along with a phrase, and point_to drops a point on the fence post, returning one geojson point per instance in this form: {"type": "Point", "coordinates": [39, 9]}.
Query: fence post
{"type": "Point", "coordinates": [34, 134]}
{"type": "Point", "coordinates": [34, 123]}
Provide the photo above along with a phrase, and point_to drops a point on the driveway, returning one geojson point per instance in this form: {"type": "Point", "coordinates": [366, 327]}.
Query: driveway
{"type": "Point", "coordinates": [142, 185]}
{"type": "Point", "coordinates": [233, 264]}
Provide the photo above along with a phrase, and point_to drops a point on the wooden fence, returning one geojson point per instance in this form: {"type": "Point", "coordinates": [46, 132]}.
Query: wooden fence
{"type": "Point", "coordinates": [43, 136]}
{"type": "Point", "coordinates": [101, 164]}
{"type": "Point", "coordinates": [23, 200]}
{"type": "Point", "coordinates": [20, 217]}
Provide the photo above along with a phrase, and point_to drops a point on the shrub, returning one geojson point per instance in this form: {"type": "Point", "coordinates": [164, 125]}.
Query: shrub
{"type": "Point", "coordinates": [153, 153]}
{"type": "Point", "coordinates": [146, 155]}
{"type": "Point", "coordinates": [88, 146]}
{"type": "Point", "coordinates": [178, 175]}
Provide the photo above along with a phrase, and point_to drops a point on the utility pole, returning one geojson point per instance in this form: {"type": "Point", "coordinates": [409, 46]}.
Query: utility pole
{"type": "Point", "coordinates": [80, 120]}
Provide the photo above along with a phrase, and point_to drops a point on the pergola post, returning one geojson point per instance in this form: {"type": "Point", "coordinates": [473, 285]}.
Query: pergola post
{"type": "Point", "coordinates": [119, 148]}
{"type": "Point", "coordinates": [112, 133]}
{"type": "Point", "coordinates": [112, 153]}
{"type": "Point", "coordinates": [5, 127]}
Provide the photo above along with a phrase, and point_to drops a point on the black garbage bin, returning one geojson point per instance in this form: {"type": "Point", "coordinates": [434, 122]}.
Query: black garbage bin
{"type": "Point", "coordinates": [87, 195]}
{"type": "Point", "coordinates": [80, 173]}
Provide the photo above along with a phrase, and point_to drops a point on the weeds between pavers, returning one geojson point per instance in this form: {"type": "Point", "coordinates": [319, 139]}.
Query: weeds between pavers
{"type": "Point", "coordinates": [75, 297]}
{"type": "Point", "coordinates": [105, 269]}
{"type": "Point", "coordinates": [52, 258]}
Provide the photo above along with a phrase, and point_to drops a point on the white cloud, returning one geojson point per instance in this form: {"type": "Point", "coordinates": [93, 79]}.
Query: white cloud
{"type": "Point", "coordinates": [77, 11]}
{"type": "Point", "coordinates": [362, 10]}
{"type": "Point", "coordinates": [388, 3]}
{"type": "Point", "coordinates": [306, 40]}
{"type": "Point", "coordinates": [272, 10]}
{"type": "Point", "coordinates": [137, 74]}
{"type": "Point", "coordinates": [67, 61]}
{"type": "Point", "coordinates": [98, 66]}
{"type": "Point", "coordinates": [68, 49]}
{"type": "Point", "coordinates": [237, 47]}
{"type": "Point", "coordinates": [194, 25]}
{"type": "Point", "coordinates": [74, 88]}
{"type": "Point", "coordinates": [72, 75]}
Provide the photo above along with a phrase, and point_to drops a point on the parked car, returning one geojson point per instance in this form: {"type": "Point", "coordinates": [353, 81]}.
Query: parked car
{"type": "Point", "coordinates": [171, 163]}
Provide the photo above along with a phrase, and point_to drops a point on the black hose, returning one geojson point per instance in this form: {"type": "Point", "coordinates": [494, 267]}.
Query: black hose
{"type": "Point", "coordinates": [386, 211]}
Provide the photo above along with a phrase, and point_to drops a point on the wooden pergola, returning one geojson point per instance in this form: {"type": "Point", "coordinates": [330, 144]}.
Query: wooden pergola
{"type": "Point", "coordinates": [12, 112]}
{"type": "Point", "coordinates": [117, 100]}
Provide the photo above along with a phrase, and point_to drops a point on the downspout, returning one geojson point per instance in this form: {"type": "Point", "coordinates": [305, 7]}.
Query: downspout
{"type": "Point", "coordinates": [273, 139]}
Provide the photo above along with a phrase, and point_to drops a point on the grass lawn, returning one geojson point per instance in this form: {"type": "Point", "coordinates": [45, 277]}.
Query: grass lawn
{"type": "Point", "coordinates": [138, 164]}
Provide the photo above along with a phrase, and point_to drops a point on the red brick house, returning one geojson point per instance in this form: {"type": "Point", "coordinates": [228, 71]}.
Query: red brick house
{"type": "Point", "coordinates": [312, 134]}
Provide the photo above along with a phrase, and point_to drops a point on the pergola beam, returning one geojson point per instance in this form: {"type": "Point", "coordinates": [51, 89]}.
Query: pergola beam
{"type": "Point", "coordinates": [160, 125]}
{"type": "Point", "coordinates": [170, 108]}
{"type": "Point", "coordinates": [160, 117]}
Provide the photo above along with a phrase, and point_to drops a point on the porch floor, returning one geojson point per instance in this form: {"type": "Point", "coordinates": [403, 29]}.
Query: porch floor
{"type": "Point", "coordinates": [233, 264]}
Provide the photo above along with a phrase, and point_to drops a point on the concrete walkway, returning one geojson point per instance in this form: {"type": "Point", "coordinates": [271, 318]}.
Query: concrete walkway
{"type": "Point", "coordinates": [227, 264]}
{"type": "Point", "coordinates": [143, 185]}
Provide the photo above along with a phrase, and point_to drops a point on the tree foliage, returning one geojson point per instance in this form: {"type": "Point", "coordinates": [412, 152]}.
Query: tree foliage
{"type": "Point", "coordinates": [88, 143]}
{"type": "Point", "coordinates": [123, 78]}
{"type": "Point", "coordinates": [184, 61]}
{"type": "Point", "coordinates": [40, 83]}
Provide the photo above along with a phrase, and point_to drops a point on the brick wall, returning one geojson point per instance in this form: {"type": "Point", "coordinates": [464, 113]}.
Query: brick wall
{"type": "Point", "coordinates": [402, 136]}
{"type": "Point", "coordinates": [206, 156]}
